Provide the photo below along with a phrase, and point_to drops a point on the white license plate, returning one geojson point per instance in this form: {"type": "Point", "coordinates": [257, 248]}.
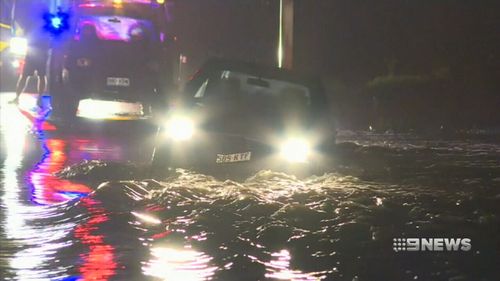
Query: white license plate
{"type": "Point", "coordinates": [118, 81]}
{"type": "Point", "coordinates": [231, 158]}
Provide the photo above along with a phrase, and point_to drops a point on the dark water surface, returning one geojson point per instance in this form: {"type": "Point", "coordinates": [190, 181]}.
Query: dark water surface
{"type": "Point", "coordinates": [106, 220]}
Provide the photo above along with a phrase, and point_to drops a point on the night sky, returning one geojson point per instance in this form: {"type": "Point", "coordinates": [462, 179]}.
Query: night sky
{"type": "Point", "coordinates": [351, 40]}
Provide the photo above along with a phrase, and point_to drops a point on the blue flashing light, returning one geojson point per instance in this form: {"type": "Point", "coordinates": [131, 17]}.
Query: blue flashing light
{"type": "Point", "coordinates": [56, 22]}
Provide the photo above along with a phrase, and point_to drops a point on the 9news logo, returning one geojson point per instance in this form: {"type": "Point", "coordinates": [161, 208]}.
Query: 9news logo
{"type": "Point", "coordinates": [431, 244]}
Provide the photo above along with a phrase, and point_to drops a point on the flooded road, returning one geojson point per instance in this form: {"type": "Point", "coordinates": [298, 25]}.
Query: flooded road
{"type": "Point", "coordinates": [80, 205]}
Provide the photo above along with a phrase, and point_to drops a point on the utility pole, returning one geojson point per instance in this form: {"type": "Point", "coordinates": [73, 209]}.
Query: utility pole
{"type": "Point", "coordinates": [285, 41]}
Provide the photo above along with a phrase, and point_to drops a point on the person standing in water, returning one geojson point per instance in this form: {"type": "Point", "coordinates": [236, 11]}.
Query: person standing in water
{"type": "Point", "coordinates": [29, 16]}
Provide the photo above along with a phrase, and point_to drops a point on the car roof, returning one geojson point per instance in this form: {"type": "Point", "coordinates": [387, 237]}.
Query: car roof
{"type": "Point", "coordinates": [258, 70]}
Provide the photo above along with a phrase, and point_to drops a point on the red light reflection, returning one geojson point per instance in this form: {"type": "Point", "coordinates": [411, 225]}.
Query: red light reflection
{"type": "Point", "coordinates": [48, 188]}
{"type": "Point", "coordinates": [39, 123]}
{"type": "Point", "coordinates": [99, 263]}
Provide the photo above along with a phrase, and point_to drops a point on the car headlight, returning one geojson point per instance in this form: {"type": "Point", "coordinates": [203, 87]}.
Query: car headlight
{"type": "Point", "coordinates": [296, 150]}
{"type": "Point", "coordinates": [19, 46]}
{"type": "Point", "coordinates": [180, 128]}
{"type": "Point", "coordinates": [16, 63]}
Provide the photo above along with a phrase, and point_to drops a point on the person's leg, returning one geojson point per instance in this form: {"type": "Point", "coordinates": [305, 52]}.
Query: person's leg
{"type": "Point", "coordinates": [21, 85]}
{"type": "Point", "coordinates": [42, 84]}
{"type": "Point", "coordinates": [42, 88]}
{"type": "Point", "coordinates": [41, 67]}
{"type": "Point", "coordinates": [22, 82]}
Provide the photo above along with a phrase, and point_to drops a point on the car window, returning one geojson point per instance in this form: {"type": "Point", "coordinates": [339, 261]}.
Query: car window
{"type": "Point", "coordinates": [201, 91]}
{"type": "Point", "coordinates": [231, 84]}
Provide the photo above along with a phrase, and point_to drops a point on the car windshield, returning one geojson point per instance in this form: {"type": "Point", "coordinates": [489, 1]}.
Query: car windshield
{"type": "Point", "coordinates": [230, 85]}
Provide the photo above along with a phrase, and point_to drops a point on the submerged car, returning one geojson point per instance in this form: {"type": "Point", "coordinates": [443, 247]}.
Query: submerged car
{"type": "Point", "coordinates": [113, 65]}
{"type": "Point", "coordinates": [240, 117]}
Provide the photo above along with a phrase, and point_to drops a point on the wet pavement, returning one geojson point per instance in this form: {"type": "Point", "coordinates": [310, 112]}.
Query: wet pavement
{"type": "Point", "coordinates": [80, 205]}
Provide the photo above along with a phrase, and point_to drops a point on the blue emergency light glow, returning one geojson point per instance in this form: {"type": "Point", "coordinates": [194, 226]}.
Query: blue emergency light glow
{"type": "Point", "coordinates": [56, 23]}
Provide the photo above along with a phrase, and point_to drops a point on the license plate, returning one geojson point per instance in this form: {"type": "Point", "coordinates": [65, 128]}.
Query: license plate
{"type": "Point", "coordinates": [118, 81]}
{"type": "Point", "coordinates": [231, 158]}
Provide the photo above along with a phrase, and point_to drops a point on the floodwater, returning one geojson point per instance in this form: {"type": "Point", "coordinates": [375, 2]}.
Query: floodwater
{"type": "Point", "coordinates": [81, 206]}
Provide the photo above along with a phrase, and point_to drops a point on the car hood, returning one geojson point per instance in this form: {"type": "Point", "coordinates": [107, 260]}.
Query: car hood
{"type": "Point", "coordinates": [258, 124]}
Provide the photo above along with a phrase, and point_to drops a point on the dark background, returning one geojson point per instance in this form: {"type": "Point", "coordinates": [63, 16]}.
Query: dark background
{"type": "Point", "coordinates": [401, 65]}
{"type": "Point", "coordinates": [392, 65]}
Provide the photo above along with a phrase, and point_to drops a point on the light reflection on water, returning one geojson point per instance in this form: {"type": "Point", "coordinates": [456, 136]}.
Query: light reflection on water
{"type": "Point", "coordinates": [36, 245]}
{"type": "Point", "coordinates": [47, 187]}
{"type": "Point", "coordinates": [99, 261]}
{"type": "Point", "coordinates": [179, 264]}
{"type": "Point", "coordinates": [279, 268]}
{"type": "Point", "coordinates": [273, 225]}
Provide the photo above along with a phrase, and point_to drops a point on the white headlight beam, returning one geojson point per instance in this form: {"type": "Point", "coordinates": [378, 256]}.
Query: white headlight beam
{"type": "Point", "coordinates": [180, 128]}
{"type": "Point", "coordinates": [295, 150]}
